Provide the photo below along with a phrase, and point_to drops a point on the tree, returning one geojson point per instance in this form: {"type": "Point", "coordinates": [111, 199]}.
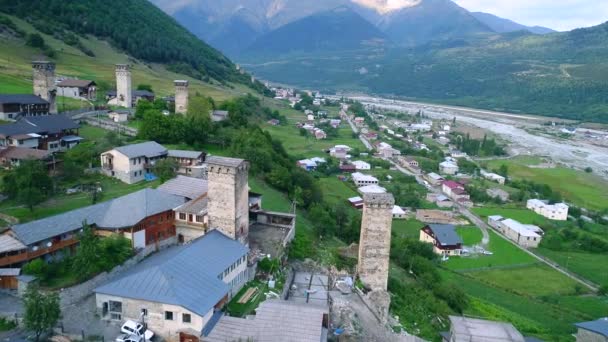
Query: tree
{"type": "Point", "coordinates": [88, 255]}
{"type": "Point", "coordinates": [503, 170]}
{"type": "Point", "coordinates": [588, 169]}
{"type": "Point", "coordinates": [42, 311]}
{"type": "Point", "coordinates": [145, 87]}
{"type": "Point", "coordinates": [35, 40]}
{"type": "Point", "coordinates": [197, 123]}
{"type": "Point", "coordinates": [28, 183]}
{"type": "Point", "coordinates": [165, 169]}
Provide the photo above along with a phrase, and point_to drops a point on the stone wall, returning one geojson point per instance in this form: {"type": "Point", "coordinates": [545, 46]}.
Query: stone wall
{"type": "Point", "coordinates": [375, 240]}
{"type": "Point", "coordinates": [75, 294]}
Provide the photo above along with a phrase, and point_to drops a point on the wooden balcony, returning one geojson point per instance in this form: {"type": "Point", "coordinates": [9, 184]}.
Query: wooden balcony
{"type": "Point", "coordinates": [29, 255]}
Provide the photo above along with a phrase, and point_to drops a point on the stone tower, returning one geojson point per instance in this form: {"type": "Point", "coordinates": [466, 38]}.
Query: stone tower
{"type": "Point", "coordinates": [228, 193]}
{"type": "Point", "coordinates": [44, 82]}
{"type": "Point", "coordinates": [375, 240]}
{"type": "Point", "coordinates": [181, 96]}
{"type": "Point", "coordinates": [123, 86]}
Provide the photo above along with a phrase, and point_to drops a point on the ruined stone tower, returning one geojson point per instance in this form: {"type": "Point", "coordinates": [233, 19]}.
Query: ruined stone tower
{"type": "Point", "coordinates": [375, 240]}
{"type": "Point", "coordinates": [44, 82]}
{"type": "Point", "coordinates": [123, 86]}
{"type": "Point", "coordinates": [181, 96]}
{"type": "Point", "coordinates": [228, 193]}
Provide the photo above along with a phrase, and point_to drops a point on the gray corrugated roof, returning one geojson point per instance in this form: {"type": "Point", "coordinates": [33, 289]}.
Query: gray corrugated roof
{"type": "Point", "coordinates": [70, 82]}
{"type": "Point", "coordinates": [197, 206]}
{"type": "Point", "coordinates": [275, 320]}
{"type": "Point", "coordinates": [599, 326]}
{"type": "Point", "coordinates": [185, 276]}
{"type": "Point", "coordinates": [446, 234]}
{"type": "Point", "coordinates": [118, 213]}
{"type": "Point", "coordinates": [39, 124]}
{"type": "Point", "coordinates": [185, 186]}
{"type": "Point", "coordinates": [22, 99]}
{"type": "Point", "coordinates": [148, 149]}
{"type": "Point", "coordinates": [185, 154]}
{"type": "Point", "coordinates": [225, 161]}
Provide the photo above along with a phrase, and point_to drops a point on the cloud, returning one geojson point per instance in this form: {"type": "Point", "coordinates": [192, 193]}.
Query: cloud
{"type": "Point", "coordinates": [560, 15]}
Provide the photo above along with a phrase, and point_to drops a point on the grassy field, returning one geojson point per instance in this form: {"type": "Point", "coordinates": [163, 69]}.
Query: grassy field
{"type": "Point", "coordinates": [61, 203]}
{"type": "Point", "coordinates": [336, 191]}
{"type": "Point", "coordinates": [519, 214]}
{"type": "Point", "coordinates": [241, 310]}
{"type": "Point", "coordinates": [578, 187]}
{"type": "Point", "coordinates": [504, 254]}
{"type": "Point", "coordinates": [16, 70]}
{"type": "Point", "coordinates": [470, 235]}
{"type": "Point", "coordinates": [525, 280]}
{"type": "Point", "coordinates": [589, 266]}
{"type": "Point", "coordinates": [407, 228]}
{"type": "Point", "coordinates": [272, 199]}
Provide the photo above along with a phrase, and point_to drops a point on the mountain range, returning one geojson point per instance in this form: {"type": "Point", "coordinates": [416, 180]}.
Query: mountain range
{"type": "Point", "coordinates": [243, 27]}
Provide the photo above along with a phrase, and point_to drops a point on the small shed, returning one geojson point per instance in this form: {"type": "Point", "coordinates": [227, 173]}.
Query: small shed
{"type": "Point", "coordinates": [8, 278]}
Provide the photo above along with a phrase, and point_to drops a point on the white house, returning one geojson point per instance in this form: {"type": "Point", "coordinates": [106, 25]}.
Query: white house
{"type": "Point", "coordinates": [361, 165]}
{"type": "Point", "coordinates": [526, 235]}
{"type": "Point", "coordinates": [558, 211]}
{"type": "Point", "coordinates": [492, 177]}
{"type": "Point", "coordinates": [362, 180]}
{"type": "Point", "coordinates": [448, 168]}
{"type": "Point", "coordinates": [398, 213]}
{"type": "Point", "coordinates": [371, 189]}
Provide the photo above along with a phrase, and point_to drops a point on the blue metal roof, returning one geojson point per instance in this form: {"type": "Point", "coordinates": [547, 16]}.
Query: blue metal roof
{"type": "Point", "coordinates": [148, 149]}
{"type": "Point", "coordinates": [118, 213]}
{"type": "Point", "coordinates": [599, 326]}
{"type": "Point", "coordinates": [445, 234]}
{"type": "Point", "coordinates": [186, 276]}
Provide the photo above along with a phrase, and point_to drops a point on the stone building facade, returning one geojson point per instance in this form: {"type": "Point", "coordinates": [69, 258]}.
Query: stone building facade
{"type": "Point", "coordinates": [375, 240]}
{"type": "Point", "coordinates": [44, 83]}
{"type": "Point", "coordinates": [229, 196]}
{"type": "Point", "coordinates": [181, 96]}
{"type": "Point", "coordinates": [123, 86]}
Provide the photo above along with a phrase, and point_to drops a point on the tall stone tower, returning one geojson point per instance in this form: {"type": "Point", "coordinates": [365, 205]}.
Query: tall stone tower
{"type": "Point", "coordinates": [181, 96]}
{"type": "Point", "coordinates": [375, 240]}
{"type": "Point", "coordinates": [44, 82]}
{"type": "Point", "coordinates": [228, 193]}
{"type": "Point", "coordinates": [123, 86]}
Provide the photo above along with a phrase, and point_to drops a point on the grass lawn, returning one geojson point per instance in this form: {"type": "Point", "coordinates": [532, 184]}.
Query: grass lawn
{"type": "Point", "coordinates": [578, 187]}
{"type": "Point", "coordinates": [589, 266]}
{"type": "Point", "coordinates": [407, 228]}
{"type": "Point", "coordinates": [300, 146]}
{"type": "Point", "coordinates": [6, 325]}
{"type": "Point", "coordinates": [525, 280]}
{"type": "Point", "coordinates": [505, 254]}
{"type": "Point", "coordinates": [272, 199]}
{"type": "Point", "coordinates": [336, 191]}
{"type": "Point", "coordinates": [524, 216]}
{"type": "Point", "coordinates": [531, 316]}
{"type": "Point", "coordinates": [61, 203]}
{"type": "Point", "coordinates": [470, 235]}
{"type": "Point", "coordinates": [241, 310]}
{"type": "Point", "coordinates": [92, 133]}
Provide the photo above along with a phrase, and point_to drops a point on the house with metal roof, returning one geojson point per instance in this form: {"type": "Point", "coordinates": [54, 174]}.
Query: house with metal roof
{"type": "Point", "coordinates": [132, 163]}
{"type": "Point", "coordinates": [13, 106]}
{"type": "Point", "coordinates": [592, 331]}
{"type": "Point", "coordinates": [190, 163]}
{"type": "Point", "coordinates": [444, 238]}
{"type": "Point", "coordinates": [77, 89]}
{"type": "Point", "coordinates": [50, 132]}
{"type": "Point", "coordinates": [179, 290]}
{"type": "Point", "coordinates": [526, 235]}
{"type": "Point", "coordinates": [145, 217]}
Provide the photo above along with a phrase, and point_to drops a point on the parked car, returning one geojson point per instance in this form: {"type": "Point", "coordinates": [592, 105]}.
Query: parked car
{"type": "Point", "coordinates": [129, 338]}
{"type": "Point", "coordinates": [134, 328]}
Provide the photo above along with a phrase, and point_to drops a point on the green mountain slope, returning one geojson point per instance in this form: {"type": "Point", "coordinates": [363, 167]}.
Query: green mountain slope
{"type": "Point", "coordinates": [559, 74]}
{"type": "Point", "coordinates": [134, 26]}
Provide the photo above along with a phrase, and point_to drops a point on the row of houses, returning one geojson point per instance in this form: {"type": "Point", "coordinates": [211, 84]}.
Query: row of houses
{"type": "Point", "coordinates": [557, 211]}
{"type": "Point", "coordinates": [456, 191]}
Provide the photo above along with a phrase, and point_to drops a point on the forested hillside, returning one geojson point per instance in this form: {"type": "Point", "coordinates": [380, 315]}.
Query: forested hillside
{"type": "Point", "coordinates": [134, 26]}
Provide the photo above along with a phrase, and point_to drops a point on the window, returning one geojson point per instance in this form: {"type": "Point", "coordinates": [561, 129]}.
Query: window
{"type": "Point", "coordinates": [182, 216]}
{"type": "Point", "coordinates": [190, 218]}
{"type": "Point", "coordinates": [133, 161]}
{"type": "Point", "coordinates": [115, 310]}
{"type": "Point", "coordinates": [168, 315]}
{"type": "Point", "coordinates": [186, 318]}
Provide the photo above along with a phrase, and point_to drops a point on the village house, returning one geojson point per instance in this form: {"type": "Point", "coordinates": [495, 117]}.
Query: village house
{"type": "Point", "coordinates": [53, 133]}
{"type": "Point", "coordinates": [464, 329]}
{"type": "Point", "coordinates": [442, 201]}
{"type": "Point", "coordinates": [348, 168]}
{"type": "Point", "coordinates": [136, 95]}
{"type": "Point", "coordinates": [454, 190]}
{"type": "Point", "coordinates": [456, 154]}
{"type": "Point", "coordinates": [371, 189]}
{"type": "Point", "coordinates": [387, 151]}
{"type": "Point", "coordinates": [219, 115]}
{"type": "Point", "coordinates": [596, 331]}
{"type": "Point", "coordinates": [433, 178]}
{"type": "Point", "coordinates": [339, 151]}
{"type": "Point", "coordinates": [362, 180]}
{"type": "Point", "coordinates": [119, 115]}
{"type": "Point", "coordinates": [493, 177]}
{"type": "Point", "coordinates": [13, 106]}
{"type": "Point", "coordinates": [448, 168]}
{"type": "Point", "coordinates": [444, 238]}
{"type": "Point", "coordinates": [558, 211]}
{"type": "Point", "coordinates": [525, 235]}
{"type": "Point", "coordinates": [192, 283]}
{"type": "Point", "coordinates": [359, 121]}
{"type": "Point", "coordinates": [311, 164]}
{"type": "Point", "coordinates": [77, 89]}
{"type": "Point", "coordinates": [399, 213]}
{"type": "Point", "coordinates": [335, 123]}
{"type": "Point", "coordinates": [145, 217]}
{"type": "Point", "coordinates": [190, 163]}
{"type": "Point", "coordinates": [361, 165]}
{"type": "Point", "coordinates": [356, 202]}
{"type": "Point", "coordinates": [11, 157]}
{"type": "Point", "coordinates": [319, 134]}
{"type": "Point", "coordinates": [132, 163]}
{"type": "Point", "coordinates": [371, 135]}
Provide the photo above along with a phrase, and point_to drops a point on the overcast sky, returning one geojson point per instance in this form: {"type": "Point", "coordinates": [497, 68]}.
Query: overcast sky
{"type": "Point", "coordinates": [561, 15]}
